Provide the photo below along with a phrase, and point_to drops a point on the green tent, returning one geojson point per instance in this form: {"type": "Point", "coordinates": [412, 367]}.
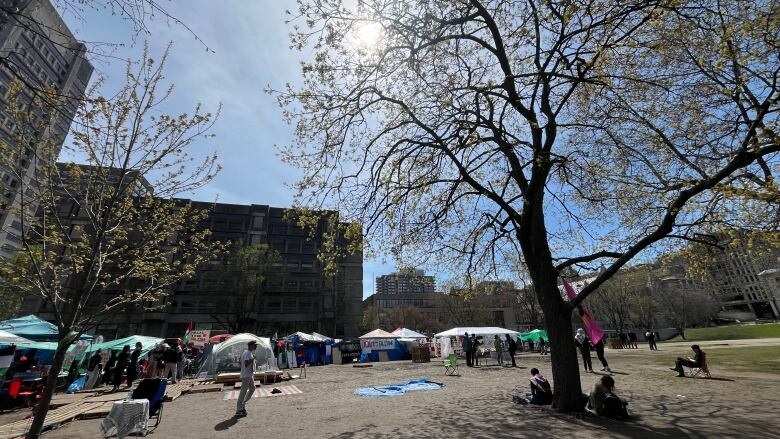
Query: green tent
{"type": "Point", "coordinates": [534, 335]}
{"type": "Point", "coordinates": [147, 343]}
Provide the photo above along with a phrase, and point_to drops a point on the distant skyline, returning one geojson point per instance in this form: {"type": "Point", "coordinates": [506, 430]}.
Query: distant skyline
{"type": "Point", "coordinates": [248, 52]}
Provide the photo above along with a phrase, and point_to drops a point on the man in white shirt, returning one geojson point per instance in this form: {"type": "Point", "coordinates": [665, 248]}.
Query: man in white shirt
{"type": "Point", "coordinates": [247, 378]}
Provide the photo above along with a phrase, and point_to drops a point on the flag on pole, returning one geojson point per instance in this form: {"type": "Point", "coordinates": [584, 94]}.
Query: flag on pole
{"type": "Point", "coordinates": [187, 333]}
{"type": "Point", "coordinates": [591, 325]}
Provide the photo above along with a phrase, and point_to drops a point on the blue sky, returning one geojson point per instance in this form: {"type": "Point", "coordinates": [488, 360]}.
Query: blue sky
{"type": "Point", "coordinates": [249, 51]}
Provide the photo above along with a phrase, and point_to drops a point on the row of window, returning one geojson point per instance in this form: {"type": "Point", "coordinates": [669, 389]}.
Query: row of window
{"type": "Point", "coordinates": [268, 305]}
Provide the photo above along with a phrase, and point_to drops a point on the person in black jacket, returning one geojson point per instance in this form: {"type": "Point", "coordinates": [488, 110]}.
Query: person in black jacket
{"type": "Point", "coordinates": [583, 343]}
{"type": "Point", "coordinates": [108, 372]}
{"type": "Point", "coordinates": [512, 348]}
{"type": "Point", "coordinates": [698, 360]}
{"type": "Point", "coordinates": [121, 364]}
{"type": "Point", "coordinates": [132, 366]}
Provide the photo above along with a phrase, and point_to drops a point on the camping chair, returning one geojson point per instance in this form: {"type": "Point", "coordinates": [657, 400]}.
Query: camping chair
{"type": "Point", "coordinates": [703, 370]}
{"type": "Point", "coordinates": [451, 365]}
{"type": "Point", "coordinates": [152, 389]}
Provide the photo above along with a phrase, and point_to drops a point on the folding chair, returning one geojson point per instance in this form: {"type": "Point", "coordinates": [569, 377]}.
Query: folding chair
{"type": "Point", "coordinates": [152, 389]}
{"type": "Point", "coordinates": [451, 365]}
{"type": "Point", "coordinates": [703, 371]}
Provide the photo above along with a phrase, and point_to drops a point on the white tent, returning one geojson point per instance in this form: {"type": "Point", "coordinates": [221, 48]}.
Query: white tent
{"type": "Point", "coordinates": [8, 338]}
{"type": "Point", "coordinates": [379, 333]}
{"type": "Point", "coordinates": [304, 337]}
{"type": "Point", "coordinates": [225, 357]}
{"type": "Point", "coordinates": [478, 330]}
{"type": "Point", "coordinates": [408, 333]}
{"type": "Point", "coordinates": [320, 336]}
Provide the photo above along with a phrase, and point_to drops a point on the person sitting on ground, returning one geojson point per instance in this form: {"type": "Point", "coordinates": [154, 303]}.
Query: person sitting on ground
{"type": "Point", "coordinates": [541, 392]}
{"type": "Point", "coordinates": [603, 401]}
{"type": "Point", "coordinates": [697, 361]}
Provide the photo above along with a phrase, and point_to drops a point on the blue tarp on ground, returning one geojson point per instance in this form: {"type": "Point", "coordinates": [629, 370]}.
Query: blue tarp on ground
{"type": "Point", "coordinates": [397, 389]}
{"type": "Point", "coordinates": [34, 328]}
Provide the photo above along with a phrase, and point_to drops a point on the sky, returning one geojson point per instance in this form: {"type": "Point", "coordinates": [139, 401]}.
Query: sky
{"type": "Point", "coordinates": [248, 51]}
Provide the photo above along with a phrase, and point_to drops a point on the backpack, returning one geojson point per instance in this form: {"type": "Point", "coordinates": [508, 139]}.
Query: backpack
{"type": "Point", "coordinates": [614, 408]}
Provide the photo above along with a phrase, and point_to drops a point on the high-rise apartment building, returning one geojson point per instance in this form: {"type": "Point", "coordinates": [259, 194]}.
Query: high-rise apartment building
{"type": "Point", "coordinates": [405, 281]}
{"type": "Point", "coordinates": [38, 49]}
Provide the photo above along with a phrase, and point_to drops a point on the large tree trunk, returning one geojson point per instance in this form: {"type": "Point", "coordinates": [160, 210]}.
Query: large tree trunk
{"type": "Point", "coordinates": [42, 406]}
{"type": "Point", "coordinates": [567, 392]}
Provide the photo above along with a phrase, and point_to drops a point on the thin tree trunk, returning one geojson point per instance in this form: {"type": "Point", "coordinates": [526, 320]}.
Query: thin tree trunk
{"type": "Point", "coordinates": [42, 406]}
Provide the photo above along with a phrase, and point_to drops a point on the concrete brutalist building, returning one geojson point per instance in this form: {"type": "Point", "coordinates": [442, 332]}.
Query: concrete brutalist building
{"type": "Point", "coordinates": [39, 50]}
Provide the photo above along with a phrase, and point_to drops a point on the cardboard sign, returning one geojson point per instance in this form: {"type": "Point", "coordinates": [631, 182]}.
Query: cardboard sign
{"type": "Point", "coordinates": [377, 344]}
{"type": "Point", "coordinates": [199, 338]}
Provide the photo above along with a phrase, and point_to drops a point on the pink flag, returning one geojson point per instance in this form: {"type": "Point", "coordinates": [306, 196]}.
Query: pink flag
{"type": "Point", "coordinates": [591, 326]}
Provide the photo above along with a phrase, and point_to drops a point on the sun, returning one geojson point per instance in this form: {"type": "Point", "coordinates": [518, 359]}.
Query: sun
{"type": "Point", "coordinates": [368, 34]}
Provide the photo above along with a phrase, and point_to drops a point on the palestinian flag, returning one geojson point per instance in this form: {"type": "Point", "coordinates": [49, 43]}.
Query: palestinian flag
{"type": "Point", "coordinates": [186, 337]}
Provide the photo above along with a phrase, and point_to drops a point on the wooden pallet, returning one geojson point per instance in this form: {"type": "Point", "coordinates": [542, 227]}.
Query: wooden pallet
{"type": "Point", "coordinates": [108, 397]}
{"type": "Point", "coordinates": [54, 418]}
{"type": "Point", "coordinates": [98, 412]}
{"type": "Point", "coordinates": [205, 388]}
{"type": "Point", "coordinates": [175, 390]}
{"type": "Point", "coordinates": [65, 399]}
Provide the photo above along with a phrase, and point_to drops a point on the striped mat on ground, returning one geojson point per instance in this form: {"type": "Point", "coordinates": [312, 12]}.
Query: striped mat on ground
{"type": "Point", "coordinates": [262, 392]}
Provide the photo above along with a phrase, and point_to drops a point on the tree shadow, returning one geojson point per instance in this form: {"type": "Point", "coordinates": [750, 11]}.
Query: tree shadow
{"type": "Point", "coordinates": [227, 423]}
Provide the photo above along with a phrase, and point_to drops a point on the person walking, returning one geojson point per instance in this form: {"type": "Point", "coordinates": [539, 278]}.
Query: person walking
{"type": "Point", "coordinates": [512, 348]}
{"type": "Point", "coordinates": [541, 343]}
{"type": "Point", "coordinates": [121, 363]}
{"type": "Point", "coordinates": [632, 340]}
{"type": "Point", "coordinates": [650, 335]}
{"type": "Point", "coordinates": [583, 343]}
{"type": "Point", "coordinates": [169, 356]}
{"type": "Point", "coordinates": [248, 363]}
{"type": "Point", "coordinates": [499, 350]}
{"type": "Point", "coordinates": [93, 370]}
{"type": "Point", "coordinates": [623, 340]}
{"type": "Point", "coordinates": [467, 350]}
{"type": "Point", "coordinates": [132, 366]}
{"type": "Point", "coordinates": [599, 348]}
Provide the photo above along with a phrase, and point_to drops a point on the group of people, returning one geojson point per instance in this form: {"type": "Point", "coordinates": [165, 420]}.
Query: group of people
{"type": "Point", "coordinates": [471, 345]}
{"type": "Point", "coordinates": [585, 344]}
{"type": "Point", "coordinates": [165, 361]}
{"type": "Point", "coordinates": [114, 369]}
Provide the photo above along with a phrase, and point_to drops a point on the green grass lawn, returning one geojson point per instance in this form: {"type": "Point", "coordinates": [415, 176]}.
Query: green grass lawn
{"type": "Point", "coordinates": [764, 359]}
{"type": "Point", "coordinates": [732, 332]}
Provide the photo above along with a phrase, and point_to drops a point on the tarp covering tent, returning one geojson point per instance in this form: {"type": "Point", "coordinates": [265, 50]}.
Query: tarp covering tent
{"type": "Point", "coordinates": [377, 341]}
{"type": "Point", "coordinates": [408, 333]}
{"type": "Point", "coordinates": [320, 336]}
{"type": "Point", "coordinates": [225, 357]}
{"type": "Point", "coordinates": [478, 330]}
{"type": "Point", "coordinates": [534, 335]}
{"type": "Point", "coordinates": [34, 328]}
{"type": "Point", "coordinates": [147, 344]}
{"type": "Point", "coordinates": [8, 338]}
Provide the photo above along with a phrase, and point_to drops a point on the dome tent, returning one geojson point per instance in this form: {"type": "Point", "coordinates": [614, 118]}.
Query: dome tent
{"type": "Point", "coordinates": [225, 357]}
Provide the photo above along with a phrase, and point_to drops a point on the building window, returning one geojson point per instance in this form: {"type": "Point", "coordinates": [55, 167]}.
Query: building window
{"type": "Point", "coordinates": [273, 306]}
{"type": "Point", "coordinates": [290, 306]}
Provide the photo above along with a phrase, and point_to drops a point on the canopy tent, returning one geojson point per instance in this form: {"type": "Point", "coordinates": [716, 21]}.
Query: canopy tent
{"type": "Point", "coordinates": [377, 341]}
{"type": "Point", "coordinates": [408, 333]}
{"type": "Point", "coordinates": [378, 333]}
{"type": "Point", "coordinates": [534, 335]}
{"type": "Point", "coordinates": [226, 356]}
{"type": "Point", "coordinates": [305, 338]}
{"type": "Point", "coordinates": [8, 338]}
{"type": "Point", "coordinates": [34, 328]}
{"type": "Point", "coordinates": [478, 330]}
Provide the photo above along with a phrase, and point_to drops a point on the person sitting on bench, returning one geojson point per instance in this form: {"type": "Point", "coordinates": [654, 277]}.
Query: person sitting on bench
{"type": "Point", "coordinates": [541, 392]}
{"type": "Point", "coordinates": [697, 361]}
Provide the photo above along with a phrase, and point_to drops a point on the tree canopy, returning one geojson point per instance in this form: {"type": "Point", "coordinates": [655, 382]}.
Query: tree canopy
{"type": "Point", "coordinates": [568, 131]}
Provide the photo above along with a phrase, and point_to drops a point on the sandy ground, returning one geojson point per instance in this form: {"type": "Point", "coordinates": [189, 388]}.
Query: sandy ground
{"type": "Point", "coordinates": [478, 404]}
